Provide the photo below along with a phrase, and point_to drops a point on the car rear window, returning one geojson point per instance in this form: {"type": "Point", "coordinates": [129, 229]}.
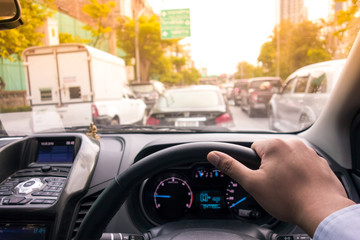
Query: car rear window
{"type": "Point", "coordinates": [257, 84]}
{"type": "Point", "coordinates": [142, 88]}
{"type": "Point", "coordinates": [190, 99]}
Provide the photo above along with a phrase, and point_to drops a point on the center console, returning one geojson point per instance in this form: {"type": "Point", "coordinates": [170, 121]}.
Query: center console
{"type": "Point", "coordinates": [43, 180]}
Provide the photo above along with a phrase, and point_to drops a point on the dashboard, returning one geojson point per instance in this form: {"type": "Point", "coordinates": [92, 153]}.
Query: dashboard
{"type": "Point", "coordinates": [49, 182]}
{"type": "Point", "coordinates": [198, 191]}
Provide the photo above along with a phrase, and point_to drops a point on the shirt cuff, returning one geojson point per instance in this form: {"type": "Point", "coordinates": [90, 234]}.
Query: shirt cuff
{"type": "Point", "coordinates": [342, 224]}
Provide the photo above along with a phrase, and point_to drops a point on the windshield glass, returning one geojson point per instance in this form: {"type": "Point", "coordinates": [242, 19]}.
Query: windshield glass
{"type": "Point", "coordinates": [142, 88]}
{"type": "Point", "coordinates": [257, 65]}
{"type": "Point", "coordinates": [190, 99]}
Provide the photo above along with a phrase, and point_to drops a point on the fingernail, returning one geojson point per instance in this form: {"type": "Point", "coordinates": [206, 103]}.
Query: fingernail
{"type": "Point", "coordinates": [213, 158]}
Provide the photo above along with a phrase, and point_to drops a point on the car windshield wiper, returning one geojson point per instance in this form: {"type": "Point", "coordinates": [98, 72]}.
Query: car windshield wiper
{"type": "Point", "coordinates": [146, 128]}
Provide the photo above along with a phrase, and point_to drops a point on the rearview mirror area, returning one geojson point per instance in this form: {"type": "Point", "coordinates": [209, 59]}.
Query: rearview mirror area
{"type": "Point", "coordinates": [10, 13]}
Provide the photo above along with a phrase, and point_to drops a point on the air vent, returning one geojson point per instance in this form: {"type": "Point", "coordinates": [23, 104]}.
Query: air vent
{"type": "Point", "coordinates": [84, 207]}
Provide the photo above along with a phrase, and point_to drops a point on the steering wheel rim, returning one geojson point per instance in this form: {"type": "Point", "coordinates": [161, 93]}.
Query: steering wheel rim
{"type": "Point", "coordinates": [116, 193]}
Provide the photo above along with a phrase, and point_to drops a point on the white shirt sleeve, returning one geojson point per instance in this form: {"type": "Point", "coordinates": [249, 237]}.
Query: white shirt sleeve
{"type": "Point", "coordinates": [343, 224]}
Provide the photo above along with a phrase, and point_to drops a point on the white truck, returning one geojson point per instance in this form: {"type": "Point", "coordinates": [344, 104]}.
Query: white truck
{"type": "Point", "coordinates": [81, 84]}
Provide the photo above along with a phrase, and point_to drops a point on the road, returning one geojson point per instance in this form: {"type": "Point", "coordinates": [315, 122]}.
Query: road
{"type": "Point", "coordinates": [243, 122]}
{"type": "Point", "coordinates": [19, 123]}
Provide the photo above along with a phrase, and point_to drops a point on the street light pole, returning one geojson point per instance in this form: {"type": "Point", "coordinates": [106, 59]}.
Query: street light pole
{"type": "Point", "coordinates": [137, 52]}
{"type": "Point", "coordinates": [277, 22]}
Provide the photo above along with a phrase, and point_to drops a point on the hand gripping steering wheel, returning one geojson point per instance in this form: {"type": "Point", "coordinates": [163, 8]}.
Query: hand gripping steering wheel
{"type": "Point", "coordinates": [113, 197]}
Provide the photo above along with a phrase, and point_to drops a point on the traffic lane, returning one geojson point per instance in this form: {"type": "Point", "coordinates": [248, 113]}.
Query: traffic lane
{"type": "Point", "coordinates": [16, 123]}
{"type": "Point", "coordinates": [243, 122]}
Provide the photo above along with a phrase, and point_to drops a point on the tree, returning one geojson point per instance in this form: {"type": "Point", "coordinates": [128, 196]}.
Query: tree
{"type": "Point", "coordinates": [300, 44]}
{"type": "Point", "coordinates": [247, 70]}
{"type": "Point", "coordinates": [14, 41]}
{"type": "Point", "coordinates": [347, 25]}
{"type": "Point", "coordinates": [100, 12]}
{"type": "Point", "coordinates": [267, 57]}
{"type": "Point", "coordinates": [151, 46]}
{"type": "Point", "coordinates": [69, 38]}
{"type": "Point", "coordinates": [190, 76]}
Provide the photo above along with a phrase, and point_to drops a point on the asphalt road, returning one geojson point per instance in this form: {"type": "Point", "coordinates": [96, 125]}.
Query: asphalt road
{"type": "Point", "coordinates": [243, 122]}
{"type": "Point", "coordinates": [20, 123]}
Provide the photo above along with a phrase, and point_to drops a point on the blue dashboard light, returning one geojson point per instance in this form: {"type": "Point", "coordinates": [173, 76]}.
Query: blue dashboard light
{"type": "Point", "coordinates": [162, 196]}
{"type": "Point", "coordinates": [241, 200]}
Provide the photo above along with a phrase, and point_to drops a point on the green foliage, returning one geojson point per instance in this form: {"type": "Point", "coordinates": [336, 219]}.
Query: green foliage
{"type": "Point", "coordinates": [347, 23]}
{"type": "Point", "coordinates": [151, 47]}
{"type": "Point", "coordinates": [15, 109]}
{"type": "Point", "coordinates": [247, 70]}
{"type": "Point", "coordinates": [190, 76]}
{"type": "Point", "coordinates": [178, 62]}
{"type": "Point", "coordinates": [100, 13]}
{"type": "Point", "coordinates": [300, 44]}
{"type": "Point", "coordinates": [69, 38]}
{"type": "Point", "coordinates": [14, 41]}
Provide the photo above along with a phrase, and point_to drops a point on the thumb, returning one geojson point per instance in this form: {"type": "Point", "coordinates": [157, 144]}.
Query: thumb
{"type": "Point", "coordinates": [231, 167]}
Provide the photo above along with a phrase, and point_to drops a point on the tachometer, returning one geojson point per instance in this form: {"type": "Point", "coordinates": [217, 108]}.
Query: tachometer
{"type": "Point", "coordinates": [173, 197]}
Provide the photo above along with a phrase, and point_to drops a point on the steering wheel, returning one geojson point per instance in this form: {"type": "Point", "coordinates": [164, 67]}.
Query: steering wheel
{"type": "Point", "coordinates": [112, 198]}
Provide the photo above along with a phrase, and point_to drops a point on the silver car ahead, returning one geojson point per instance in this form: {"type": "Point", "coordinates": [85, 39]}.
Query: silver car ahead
{"type": "Point", "coordinates": [303, 96]}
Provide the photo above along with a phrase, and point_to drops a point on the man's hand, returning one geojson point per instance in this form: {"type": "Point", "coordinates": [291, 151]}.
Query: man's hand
{"type": "Point", "coordinates": [293, 183]}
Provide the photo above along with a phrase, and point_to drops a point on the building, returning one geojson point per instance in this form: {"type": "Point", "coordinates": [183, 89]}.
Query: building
{"type": "Point", "coordinates": [68, 18]}
{"type": "Point", "coordinates": [293, 10]}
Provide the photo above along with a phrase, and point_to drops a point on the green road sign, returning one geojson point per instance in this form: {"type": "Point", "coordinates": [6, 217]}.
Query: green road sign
{"type": "Point", "coordinates": [175, 23]}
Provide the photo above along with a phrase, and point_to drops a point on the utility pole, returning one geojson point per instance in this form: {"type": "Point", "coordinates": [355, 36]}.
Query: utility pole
{"type": "Point", "coordinates": [277, 22]}
{"type": "Point", "coordinates": [137, 53]}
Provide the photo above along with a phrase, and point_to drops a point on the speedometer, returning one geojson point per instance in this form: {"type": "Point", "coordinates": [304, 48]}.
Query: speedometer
{"type": "Point", "coordinates": [173, 197]}
{"type": "Point", "coordinates": [240, 202]}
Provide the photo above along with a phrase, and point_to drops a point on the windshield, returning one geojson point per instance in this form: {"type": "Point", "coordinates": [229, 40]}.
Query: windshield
{"type": "Point", "coordinates": [190, 99]}
{"type": "Point", "coordinates": [242, 65]}
{"type": "Point", "coordinates": [142, 88]}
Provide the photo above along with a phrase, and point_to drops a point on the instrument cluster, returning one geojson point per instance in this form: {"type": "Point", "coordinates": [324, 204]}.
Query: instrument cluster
{"type": "Point", "coordinates": [199, 191]}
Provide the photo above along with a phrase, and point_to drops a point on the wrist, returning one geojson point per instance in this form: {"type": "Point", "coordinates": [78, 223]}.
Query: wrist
{"type": "Point", "coordinates": [314, 213]}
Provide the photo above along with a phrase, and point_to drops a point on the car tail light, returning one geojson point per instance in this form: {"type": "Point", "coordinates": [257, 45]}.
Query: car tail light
{"type": "Point", "coordinates": [152, 121]}
{"type": "Point", "coordinates": [153, 96]}
{"type": "Point", "coordinates": [223, 119]}
{"type": "Point", "coordinates": [94, 111]}
{"type": "Point", "coordinates": [254, 96]}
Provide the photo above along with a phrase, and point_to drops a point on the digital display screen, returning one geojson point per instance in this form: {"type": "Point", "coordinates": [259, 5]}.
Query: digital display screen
{"type": "Point", "coordinates": [59, 151]}
{"type": "Point", "coordinates": [210, 200]}
{"type": "Point", "coordinates": [22, 232]}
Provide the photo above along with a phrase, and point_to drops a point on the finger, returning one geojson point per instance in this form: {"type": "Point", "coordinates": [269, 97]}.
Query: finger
{"type": "Point", "coordinates": [259, 147]}
{"type": "Point", "coordinates": [231, 167]}
{"type": "Point", "coordinates": [268, 146]}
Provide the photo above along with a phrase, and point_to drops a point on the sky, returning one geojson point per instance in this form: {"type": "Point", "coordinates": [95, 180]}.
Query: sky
{"type": "Point", "coordinates": [225, 32]}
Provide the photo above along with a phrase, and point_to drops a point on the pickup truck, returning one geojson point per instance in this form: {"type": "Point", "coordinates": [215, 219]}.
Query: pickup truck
{"type": "Point", "coordinates": [257, 94]}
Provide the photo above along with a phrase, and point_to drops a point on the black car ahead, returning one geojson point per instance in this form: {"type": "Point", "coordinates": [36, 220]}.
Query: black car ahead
{"type": "Point", "coordinates": [193, 106]}
{"type": "Point", "coordinates": [239, 87]}
{"type": "Point", "coordinates": [256, 95]}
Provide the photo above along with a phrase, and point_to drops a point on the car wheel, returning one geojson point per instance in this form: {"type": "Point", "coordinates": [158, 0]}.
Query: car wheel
{"type": "Point", "coordinates": [271, 117]}
{"type": "Point", "coordinates": [143, 119]}
{"type": "Point", "coordinates": [115, 121]}
{"type": "Point", "coordinates": [251, 112]}
{"type": "Point", "coordinates": [304, 121]}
